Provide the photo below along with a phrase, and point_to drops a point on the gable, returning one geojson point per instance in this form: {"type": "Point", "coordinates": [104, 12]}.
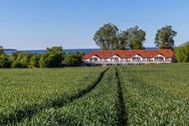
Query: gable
{"type": "Point", "coordinates": [94, 56]}
{"type": "Point", "coordinates": [159, 55]}
{"type": "Point", "coordinates": [137, 55]}
{"type": "Point", "coordinates": [115, 56]}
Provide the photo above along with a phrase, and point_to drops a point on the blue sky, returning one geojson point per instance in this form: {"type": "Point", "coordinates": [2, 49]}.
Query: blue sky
{"type": "Point", "coordinates": [37, 24]}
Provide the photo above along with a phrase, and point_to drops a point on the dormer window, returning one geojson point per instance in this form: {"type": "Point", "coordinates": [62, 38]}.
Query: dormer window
{"type": "Point", "coordinates": [94, 59]}
{"type": "Point", "coordinates": [136, 58]}
{"type": "Point", "coordinates": [114, 59]}
{"type": "Point", "coordinates": [159, 58]}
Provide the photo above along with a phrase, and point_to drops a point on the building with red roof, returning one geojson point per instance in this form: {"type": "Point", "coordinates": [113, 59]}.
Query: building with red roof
{"type": "Point", "coordinates": [104, 57]}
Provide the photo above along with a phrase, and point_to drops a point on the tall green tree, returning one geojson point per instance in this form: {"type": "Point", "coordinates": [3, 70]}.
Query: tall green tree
{"type": "Point", "coordinates": [105, 37]}
{"type": "Point", "coordinates": [121, 41]}
{"type": "Point", "coordinates": [109, 37]}
{"type": "Point", "coordinates": [136, 37]}
{"type": "Point", "coordinates": [165, 37]}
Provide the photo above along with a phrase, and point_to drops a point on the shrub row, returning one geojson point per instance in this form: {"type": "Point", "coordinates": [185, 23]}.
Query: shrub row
{"type": "Point", "coordinates": [52, 57]}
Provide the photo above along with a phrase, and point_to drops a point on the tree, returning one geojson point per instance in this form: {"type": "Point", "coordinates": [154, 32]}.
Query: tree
{"type": "Point", "coordinates": [73, 59]}
{"type": "Point", "coordinates": [52, 57]}
{"type": "Point", "coordinates": [136, 37]}
{"type": "Point", "coordinates": [42, 62]}
{"type": "Point", "coordinates": [4, 61]}
{"type": "Point", "coordinates": [1, 50]}
{"type": "Point", "coordinates": [120, 41]}
{"type": "Point", "coordinates": [164, 38]}
{"type": "Point", "coordinates": [105, 36]}
{"type": "Point", "coordinates": [16, 64]}
{"type": "Point", "coordinates": [109, 37]}
{"type": "Point", "coordinates": [34, 61]}
{"type": "Point", "coordinates": [182, 52]}
{"type": "Point", "coordinates": [123, 41]}
{"type": "Point", "coordinates": [24, 62]}
{"type": "Point", "coordinates": [13, 57]}
{"type": "Point", "coordinates": [20, 59]}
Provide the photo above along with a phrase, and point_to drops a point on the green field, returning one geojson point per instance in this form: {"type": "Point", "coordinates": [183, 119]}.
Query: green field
{"type": "Point", "coordinates": [124, 95]}
{"type": "Point", "coordinates": [27, 91]}
{"type": "Point", "coordinates": [157, 94]}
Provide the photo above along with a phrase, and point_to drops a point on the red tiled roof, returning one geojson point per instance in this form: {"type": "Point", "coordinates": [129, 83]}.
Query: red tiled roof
{"type": "Point", "coordinates": [168, 53]}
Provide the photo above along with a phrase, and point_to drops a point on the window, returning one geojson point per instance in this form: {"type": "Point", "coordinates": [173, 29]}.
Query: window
{"type": "Point", "coordinates": [136, 59]}
{"type": "Point", "coordinates": [114, 59]}
{"type": "Point", "coordinates": [159, 58]}
{"type": "Point", "coordinates": [93, 59]}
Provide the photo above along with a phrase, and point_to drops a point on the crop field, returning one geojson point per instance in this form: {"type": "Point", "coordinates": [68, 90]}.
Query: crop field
{"type": "Point", "coordinates": [156, 94]}
{"type": "Point", "coordinates": [25, 92]}
{"type": "Point", "coordinates": [96, 96]}
{"type": "Point", "coordinates": [99, 107]}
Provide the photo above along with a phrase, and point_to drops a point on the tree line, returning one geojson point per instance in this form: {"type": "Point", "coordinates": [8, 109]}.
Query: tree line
{"type": "Point", "coordinates": [52, 57]}
{"type": "Point", "coordinates": [109, 37]}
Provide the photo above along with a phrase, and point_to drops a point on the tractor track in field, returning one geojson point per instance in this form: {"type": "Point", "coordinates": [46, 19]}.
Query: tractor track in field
{"type": "Point", "coordinates": [122, 113]}
{"type": "Point", "coordinates": [29, 111]}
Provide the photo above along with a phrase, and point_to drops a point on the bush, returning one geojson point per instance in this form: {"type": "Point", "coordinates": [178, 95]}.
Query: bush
{"type": "Point", "coordinates": [34, 61]}
{"type": "Point", "coordinates": [73, 59]}
{"type": "Point", "coordinates": [52, 57]}
{"type": "Point", "coordinates": [4, 62]}
{"type": "Point", "coordinates": [20, 60]}
{"type": "Point", "coordinates": [16, 64]}
{"type": "Point", "coordinates": [24, 62]}
{"type": "Point", "coordinates": [182, 52]}
{"type": "Point", "coordinates": [42, 62]}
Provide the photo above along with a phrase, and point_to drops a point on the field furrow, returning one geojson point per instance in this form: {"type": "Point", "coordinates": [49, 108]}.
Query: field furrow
{"type": "Point", "coordinates": [123, 119]}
